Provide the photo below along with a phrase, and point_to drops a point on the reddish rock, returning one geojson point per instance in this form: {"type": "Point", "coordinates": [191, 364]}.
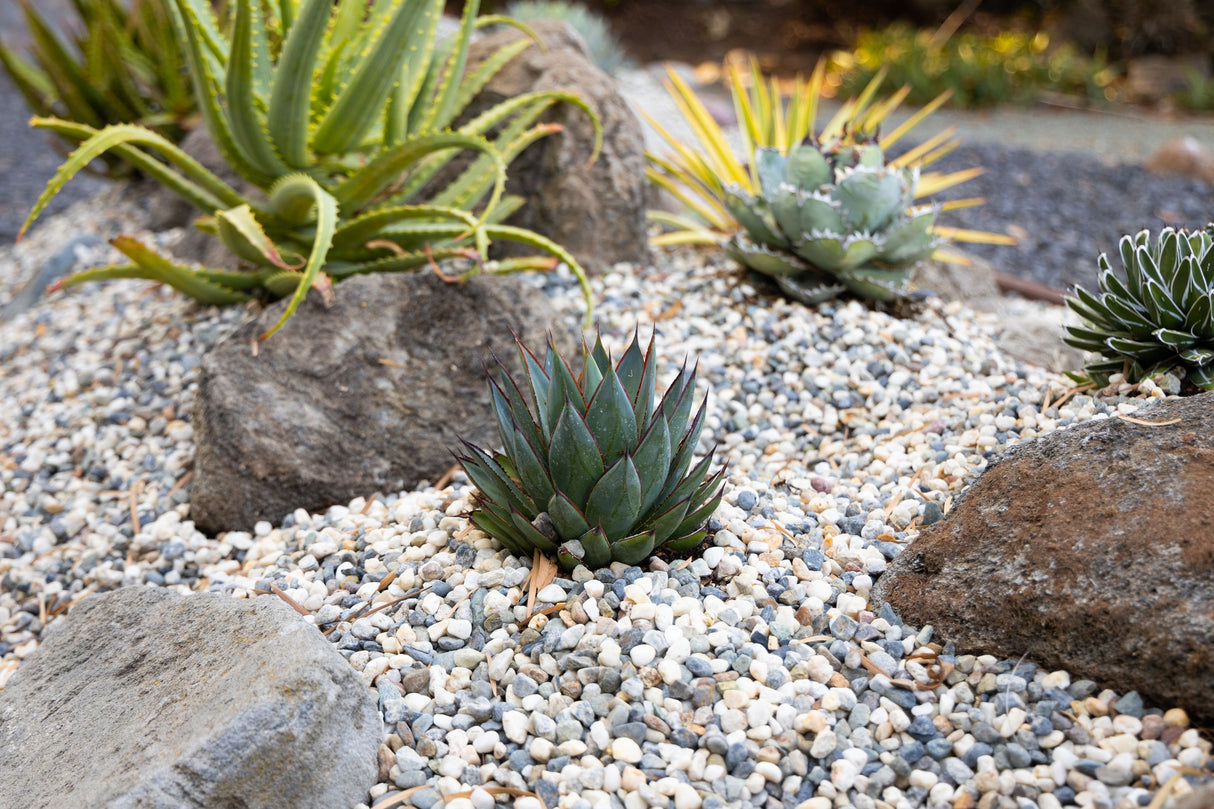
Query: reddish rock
{"type": "Point", "coordinates": [1184, 157]}
{"type": "Point", "coordinates": [1091, 549]}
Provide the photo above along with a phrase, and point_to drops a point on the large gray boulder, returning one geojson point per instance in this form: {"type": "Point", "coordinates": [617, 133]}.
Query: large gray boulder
{"type": "Point", "coordinates": [596, 211]}
{"type": "Point", "coordinates": [1090, 549]}
{"type": "Point", "coordinates": [146, 699]}
{"type": "Point", "coordinates": [369, 395]}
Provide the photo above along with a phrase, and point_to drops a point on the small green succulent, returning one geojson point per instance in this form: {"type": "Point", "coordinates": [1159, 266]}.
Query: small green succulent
{"type": "Point", "coordinates": [341, 113]}
{"type": "Point", "coordinates": [829, 220]}
{"type": "Point", "coordinates": [1159, 318]}
{"type": "Point", "coordinates": [124, 65]}
{"type": "Point", "coordinates": [592, 470]}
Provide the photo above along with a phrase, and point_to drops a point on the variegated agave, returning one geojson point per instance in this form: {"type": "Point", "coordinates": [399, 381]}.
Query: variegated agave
{"type": "Point", "coordinates": [592, 470]}
{"type": "Point", "coordinates": [832, 220]}
{"type": "Point", "coordinates": [822, 211]}
{"type": "Point", "coordinates": [1160, 317]}
{"type": "Point", "coordinates": [341, 112]}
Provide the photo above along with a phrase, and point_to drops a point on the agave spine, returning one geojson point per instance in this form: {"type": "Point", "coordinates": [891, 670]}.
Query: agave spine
{"type": "Point", "coordinates": [1161, 317]}
{"type": "Point", "coordinates": [592, 469]}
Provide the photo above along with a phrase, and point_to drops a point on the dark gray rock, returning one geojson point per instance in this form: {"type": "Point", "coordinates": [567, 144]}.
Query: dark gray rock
{"type": "Point", "coordinates": [368, 395]}
{"type": "Point", "coordinates": [1090, 549]}
{"type": "Point", "coordinates": [597, 211]}
{"type": "Point", "coordinates": [145, 699]}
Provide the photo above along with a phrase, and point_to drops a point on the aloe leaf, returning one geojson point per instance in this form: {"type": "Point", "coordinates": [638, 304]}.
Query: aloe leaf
{"type": "Point", "coordinates": [72, 87]}
{"type": "Point", "coordinates": [475, 81]}
{"type": "Point", "coordinates": [246, 62]}
{"type": "Point", "coordinates": [202, 189]}
{"type": "Point", "coordinates": [413, 74]}
{"type": "Point", "coordinates": [288, 194]}
{"type": "Point", "coordinates": [242, 234]}
{"type": "Point", "coordinates": [532, 239]}
{"type": "Point", "coordinates": [359, 229]}
{"type": "Point", "coordinates": [147, 265]}
{"type": "Point", "coordinates": [361, 101]}
{"type": "Point", "coordinates": [104, 140]}
{"type": "Point", "coordinates": [440, 108]}
{"type": "Point", "coordinates": [573, 457]}
{"type": "Point", "coordinates": [383, 171]}
{"type": "Point", "coordinates": [33, 84]}
{"type": "Point", "coordinates": [290, 96]}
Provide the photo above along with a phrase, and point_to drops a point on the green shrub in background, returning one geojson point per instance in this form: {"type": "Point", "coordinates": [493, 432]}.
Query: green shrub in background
{"type": "Point", "coordinates": [1159, 318]}
{"type": "Point", "coordinates": [594, 470]}
{"type": "Point", "coordinates": [1198, 95]}
{"type": "Point", "coordinates": [1011, 67]}
{"type": "Point", "coordinates": [342, 129]}
{"type": "Point", "coordinates": [821, 212]}
{"type": "Point", "coordinates": [124, 65]}
{"type": "Point", "coordinates": [605, 48]}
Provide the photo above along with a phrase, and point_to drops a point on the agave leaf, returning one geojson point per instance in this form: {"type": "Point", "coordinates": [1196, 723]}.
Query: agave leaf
{"type": "Point", "coordinates": [1123, 315]}
{"type": "Point", "coordinates": [1181, 285]}
{"type": "Point", "coordinates": [1198, 356]}
{"type": "Point", "coordinates": [675, 409]}
{"type": "Point", "coordinates": [807, 168]}
{"type": "Point", "coordinates": [1200, 317]}
{"type": "Point", "coordinates": [763, 259]}
{"type": "Point", "coordinates": [756, 220]}
{"type": "Point", "coordinates": [683, 487]}
{"type": "Point", "coordinates": [634, 549]}
{"type": "Point", "coordinates": [503, 531]}
{"type": "Point", "coordinates": [563, 390]}
{"type": "Point", "coordinates": [810, 288]}
{"type": "Point", "coordinates": [833, 255]}
{"type": "Point", "coordinates": [665, 524]}
{"type": "Point", "coordinates": [652, 458]}
{"type": "Point", "coordinates": [574, 461]}
{"type": "Point", "coordinates": [877, 284]}
{"type": "Point", "coordinates": [1145, 352]}
{"type": "Point", "coordinates": [494, 484]}
{"type": "Point", "coordinates": [532, 536]}
{"type": "Point", "coordinates": [687, 543]}
{"type": "Point", "coordinates": [1178, 340]}
{"type": "Point", "coordinates": [566, 516]}
{"type": "Point", "coordinates": [769, 164]}
{"type": "Point", "coordinates": [630, 371]}
{"type": "Point", "coordinates": [610, 418]}
{"type": "Point", "coordinates": [869, 199]}
{"type": "Point", "coordinates": [909, 241]}
{"type": "Point", "coordinates": [1202, 377]}
{"type": "Point", "coordinates": [1169, 250]}
{"type": "Point", "coordinates": [1162, 306]}
{"type": "Point", "coordinates": [614, 504]}
{"type": "Point", "coordinates": [595, 547]}
{"type": "Point", "coordinates": [531, 470]}
{"type": "Point", "coordinates": [678, 477]}
{"type": "Point", "coordinates": [537, 386]}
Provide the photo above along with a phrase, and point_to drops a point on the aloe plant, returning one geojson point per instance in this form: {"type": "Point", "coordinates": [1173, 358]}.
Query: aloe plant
{"type": "Point", "coordinates": [341, 113]}
{"type": "Point", "coordinates": [822, 212]}
{"type": "Point", "coordinates": [124, 65]}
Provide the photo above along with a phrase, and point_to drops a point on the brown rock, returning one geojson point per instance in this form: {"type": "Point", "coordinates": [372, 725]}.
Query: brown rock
{"type": "Point", "coordinates": [1201, 797]}
{"type": "Point", "coordinates": [368, 395]}
{"type": "Point", "coordinates": [1091, 549]}
{"type": "Point", "coordinates": [1183, 156]}
{"type": "Point", "coordinates": [597, 211]}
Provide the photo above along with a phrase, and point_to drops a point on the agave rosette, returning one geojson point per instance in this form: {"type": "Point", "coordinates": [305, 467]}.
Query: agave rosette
{"type": "Point", "coordinates": [342, 114]}
{"type": "Point", "coordinates": [822, 212]}
{"type": "Point", "coordinates": [1159, 317]}
{"type": "Point", "coordinates": [593, 470]}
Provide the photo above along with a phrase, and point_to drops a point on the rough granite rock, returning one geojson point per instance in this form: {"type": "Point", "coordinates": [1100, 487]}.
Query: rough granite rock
{"type": "Point", "coordinates": [367, 396]}
{"type": "Point", "coordinates": [1089, 549]}
{"type": "Point", "coordinates": [597, 212]}
{"type": "Point", "coordinates": [146, 699]}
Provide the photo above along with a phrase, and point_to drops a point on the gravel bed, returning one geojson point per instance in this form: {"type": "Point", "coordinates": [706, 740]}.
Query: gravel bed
{"type": "Point", "coordinates": [753, 674]}
{"type": "Point", "coordinates": [1065, 209]}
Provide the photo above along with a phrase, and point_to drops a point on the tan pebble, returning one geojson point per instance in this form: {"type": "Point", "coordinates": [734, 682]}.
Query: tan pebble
{"type": "Point", "coordinates": [1152, 726]}
{"type": "Point", "coordinates": [1176, 717]}
{"type": "Point", "coordinates": [837, 680]}
{"type": "Point", "coordinates": [1095, 707]}
{"type": "Point", "coordinates": [964, 800]}
{"type": "Point", "coordinates": [772, 755]}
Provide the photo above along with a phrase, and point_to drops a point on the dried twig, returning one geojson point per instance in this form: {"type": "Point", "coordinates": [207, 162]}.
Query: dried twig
{"type": "Point", "coordinates": [295, 605]}
{"type": "Point", "coordinates": [1133, 420]}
